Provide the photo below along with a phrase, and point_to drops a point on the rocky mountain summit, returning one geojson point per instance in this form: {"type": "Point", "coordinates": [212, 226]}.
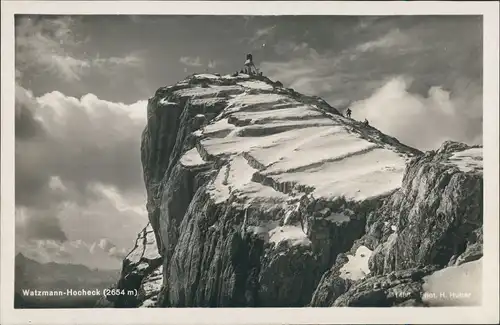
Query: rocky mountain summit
{"type": "Point", "coordinates": [260, 196]}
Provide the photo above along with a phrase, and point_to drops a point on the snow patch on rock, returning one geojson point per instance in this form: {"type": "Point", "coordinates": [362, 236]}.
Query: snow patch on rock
{"type": "Point", "coordinates": [294, 235]}
{"type": "Point", "coordinates": [236, 178]}
{"type": "Point", "coordinates": [297, 113]}
{"type": "Point", "coordinates": [455, 285]}
{"type": "Point", "coordinates": [338, 217]}
{"type": "Point", "coordinates": [206, 76]}
{"type": "Point", "coordinates": [357, 266]}
{"type": "Point", "coordinates": [218, 127]}
{"type": "Point", "coordinates": [357, 177]}
{"type": "Point", "coordinates": [241, 101]}
{"type": "Point", "coordinates": [255, 84]}
{"type": "Point", "coordinates": [218, 189]}
{"type": "Point", "coordinates": [145, 246]}
{"type": "Point", "coordinates": [166, 102]}
{"type": "Point", "coordinates": [192, 158]}
{"type": "Point", "coordinates": [263, 230]}
{"type": "Point", "coordinates": [202, 92]}
{"type": "Point", "coordinates": [468, 160]}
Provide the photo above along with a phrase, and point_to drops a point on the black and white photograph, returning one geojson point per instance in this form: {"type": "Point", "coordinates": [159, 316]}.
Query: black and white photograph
{"type": "Point", "coordinates": [250, 161]}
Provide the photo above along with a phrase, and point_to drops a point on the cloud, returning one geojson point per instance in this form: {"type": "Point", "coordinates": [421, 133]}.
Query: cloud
{"type": "Point", "coordinates": [42, 43]}
{"type": "Point", "coordinates": [117, 217]}
{"type": "Point", "coordinates": [27, 126]}
{"type": "Point", "coordinates": [259, 37]}
{"type": "Point", "coordinates": [352, 72]}
{"type": "Point", "coordinates": [424, 122]}
{"type": "Point", "coordinates": [287, 47]}
{"type": "Point", "coordinates": [92, 255]}
{"type": "Point", "coordinates": [392, 38]}
{"type": "Point", "coordinates": [212, 64]}
{"type": "Point", "coordinates": [262, 33]}
{"type": "Point", "coordinates": [52, 45]}
{"type": "Point", "coordinates": [435, 73]}
{"type": "Point", "coordinates": [105, 244]}
{"type": "Point", "coordinates": [307, 71]}
{"type": "Point", "coordinates": [38, 225]}
{"type": "Point", "coordinates": [117, 253]}
{"type": "Point", "coordinates": [69, 153]}
{"type": "Point", "coordinates": [192, 62]}
{"type": "Point", "coordinates": [131, 60]}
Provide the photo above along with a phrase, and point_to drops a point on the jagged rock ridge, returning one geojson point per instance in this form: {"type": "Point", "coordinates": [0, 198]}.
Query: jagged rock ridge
{"type": "Point", "coordinates": [141, 272]}
{"type": "Point", "coordinates": [254, 190]}
{"type": "Point", "coordinates": [433, 221]}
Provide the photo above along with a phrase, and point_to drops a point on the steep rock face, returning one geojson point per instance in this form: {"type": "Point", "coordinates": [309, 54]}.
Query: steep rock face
{"type": "Point", "coordinates": [261, 196]}
{"type": "Point", "coordinates": [437, 212]}
{"type": "Point", "coordinates": [253, 189]}
{"type": "Point", "coordinates": [399, 288]}
{"type": "Point", "coordinates": [434, 220]}
{"type": "Point", "coordinates": [473, 251]}
{"type": "Point", "coordinates": [138, 285]}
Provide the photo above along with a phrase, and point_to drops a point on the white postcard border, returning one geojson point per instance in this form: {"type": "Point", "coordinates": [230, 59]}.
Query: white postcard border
{"type": "Point", "coordinates": [488, 313]}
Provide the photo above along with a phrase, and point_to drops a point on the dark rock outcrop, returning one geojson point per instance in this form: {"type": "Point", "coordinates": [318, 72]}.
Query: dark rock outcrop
{"type": "Point", "coordinates": [399, 288]}
{"type": "Point", "coordinates": [137, 280]}
{"type": "Point", "coordinates": [436, 211]}
{"type": "Point", "coordinates": [434, 220]}
{"type": "Point", "coordinates": [474, 249]}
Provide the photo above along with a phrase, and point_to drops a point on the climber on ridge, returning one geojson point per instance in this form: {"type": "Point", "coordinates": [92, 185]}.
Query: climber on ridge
{"type": "Point", "coordinates": [348, 113]}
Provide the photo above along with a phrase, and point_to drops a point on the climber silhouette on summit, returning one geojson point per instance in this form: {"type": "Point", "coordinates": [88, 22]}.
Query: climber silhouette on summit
{"type": "Point", "coordinates": [250, 66]}
{"type": "Point", "coordinates": [348, 113]}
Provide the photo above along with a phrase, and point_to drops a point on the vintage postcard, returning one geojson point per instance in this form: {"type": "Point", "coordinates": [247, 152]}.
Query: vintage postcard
{"type": "Point", "coordinates": [249, 162]}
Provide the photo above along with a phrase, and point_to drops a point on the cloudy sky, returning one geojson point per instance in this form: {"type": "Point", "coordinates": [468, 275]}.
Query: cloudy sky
{"type": "Point", "coordinates": [82, 83]}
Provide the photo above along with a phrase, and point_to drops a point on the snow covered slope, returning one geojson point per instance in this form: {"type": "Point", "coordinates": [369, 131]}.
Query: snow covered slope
{"type": "Point", "coordinates": [271, 138]}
